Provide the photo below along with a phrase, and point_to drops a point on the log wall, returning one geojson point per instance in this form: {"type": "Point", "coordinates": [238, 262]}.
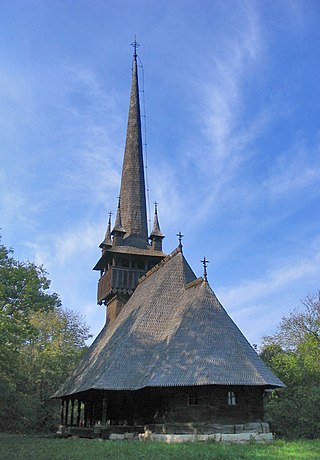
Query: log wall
{"type": "Point", "coordinates": [196, 405]}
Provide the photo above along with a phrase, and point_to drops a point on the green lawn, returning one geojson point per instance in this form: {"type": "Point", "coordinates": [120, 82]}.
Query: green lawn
{"type": "Point", "coordinates": [20, 447]}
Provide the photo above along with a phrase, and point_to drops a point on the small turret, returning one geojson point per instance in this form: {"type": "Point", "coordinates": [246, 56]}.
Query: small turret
{"type": "Point", "coordinates": [156, 235]}
{"type": "Point", "coordinates": [118, 231]}
{"type": "Point", "coordinates": [107, 242]}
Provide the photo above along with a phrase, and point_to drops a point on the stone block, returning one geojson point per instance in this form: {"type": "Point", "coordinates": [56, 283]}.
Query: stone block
{"type": "Point", "coordinates": [264, 437]}
{"type": "Point", "coordinates": [158, 437]}
{"type": "Point", "coordinates": [179, 438]}
{"type": "Point", "coordinates": [254, 427]}
{"type": "Point", "coordinates": [214, 437]}
{"type": "Point", "coordinates": [238, 428]}
{"type": "Point", "coordinates": [265, 427]}
{"type": "Point", "coordinates": [202, 437]}
{"type": "Point", "coordinates": [116, 436]}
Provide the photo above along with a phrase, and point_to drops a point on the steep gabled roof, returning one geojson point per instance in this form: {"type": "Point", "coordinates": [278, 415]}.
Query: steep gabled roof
{"type": "Point", "coordinates": [172, 331]}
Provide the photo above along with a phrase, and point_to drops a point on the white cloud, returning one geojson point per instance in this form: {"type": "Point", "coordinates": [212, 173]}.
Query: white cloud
{"type": "Point", "coordinates": [293, 171]}
{"type": "Point", "coordinates": [62, 249]}
{"type": "Point", "coordinates": [274, 281]}
{"type": "Point", "coordinates": [235, 62]}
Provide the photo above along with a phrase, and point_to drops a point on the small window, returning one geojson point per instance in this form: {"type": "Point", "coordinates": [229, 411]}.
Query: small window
{"type": "Point", "coordinates": [232, 398]}
{"type": "Point", "coordinates": [192, 398]}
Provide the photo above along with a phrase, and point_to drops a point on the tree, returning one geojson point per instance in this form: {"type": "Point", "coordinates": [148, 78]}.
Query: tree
{"type": "Point", "coordinates": [40, 343]}
{"type": "Point", "coordinates": [293, 353]}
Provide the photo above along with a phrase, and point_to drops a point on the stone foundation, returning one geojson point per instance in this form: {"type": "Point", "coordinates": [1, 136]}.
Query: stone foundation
{"type": "Point", "coordinates": [176, 433]}
{"type": "Point", "coordinates": [216, 437]}
{"type": "Point", "coordinates": [239, 433]}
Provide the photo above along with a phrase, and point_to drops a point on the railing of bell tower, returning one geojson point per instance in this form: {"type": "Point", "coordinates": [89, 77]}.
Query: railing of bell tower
{"type": "Point", "coordinates": [118, 279]}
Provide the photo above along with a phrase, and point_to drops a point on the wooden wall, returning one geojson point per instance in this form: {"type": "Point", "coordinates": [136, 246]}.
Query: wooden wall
{"type": "Point", "coordinates": [202, 404]}
{"type": "Point", "coordinates": [212, 405]}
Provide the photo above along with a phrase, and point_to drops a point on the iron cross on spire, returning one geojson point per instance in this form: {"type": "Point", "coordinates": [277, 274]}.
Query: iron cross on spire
{"type": "Point", "coordinates": [180, 236]}
{"type": "Point", "coordinates": [135, 45]}
{"type": "Point", "coordinates": [205, 263]}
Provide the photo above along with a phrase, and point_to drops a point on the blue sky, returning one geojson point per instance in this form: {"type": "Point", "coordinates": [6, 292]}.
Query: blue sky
{"type": "Point", "coordinates": [232, 101]}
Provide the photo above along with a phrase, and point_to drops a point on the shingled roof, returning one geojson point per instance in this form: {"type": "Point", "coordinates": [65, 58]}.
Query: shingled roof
{"type": "Point", "coordinates": [172, 331]}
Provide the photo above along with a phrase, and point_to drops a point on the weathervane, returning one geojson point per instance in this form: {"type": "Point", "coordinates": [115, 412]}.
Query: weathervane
{"type": "Point", "coordinates": [180, 236]}
{"type": "Point", "coordinates": [135, 45]}
{"type": "Point", "coordinates": [205, 263]}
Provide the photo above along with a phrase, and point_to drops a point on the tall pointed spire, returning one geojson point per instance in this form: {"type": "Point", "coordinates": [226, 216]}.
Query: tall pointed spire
{"type": "Point", "coordinates": [130, 256]}
{"type": "Point", "coordinates": [132, 192]}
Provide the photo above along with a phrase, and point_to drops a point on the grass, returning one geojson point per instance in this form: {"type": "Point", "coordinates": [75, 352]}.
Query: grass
{"type": "Point", "coordinates": [22, 447]}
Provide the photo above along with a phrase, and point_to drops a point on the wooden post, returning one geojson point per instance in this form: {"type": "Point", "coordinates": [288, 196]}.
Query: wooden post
{"type": "Point", "coordinates": [62, 411]}
{"type": "Point", "coordinates": [79, 412]}
{"type": "Point", "coordinates": [85, 414]}
{"type": "Point", "coordinates": [91, 414]}
{"type": "Point", "coordinates": [104, 411]}
{"type": "Point", "coordinates": [72, 410]}
{"type": "Point", "coordinates": [66, 413]}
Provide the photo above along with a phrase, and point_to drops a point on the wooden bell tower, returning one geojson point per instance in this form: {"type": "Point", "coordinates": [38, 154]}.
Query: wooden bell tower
{"type": "Point", "coordinates": [126, 252]}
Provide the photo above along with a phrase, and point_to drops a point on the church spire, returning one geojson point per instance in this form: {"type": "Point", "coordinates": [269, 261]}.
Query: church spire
{"type": "Point", "coordinates": [132, 192]}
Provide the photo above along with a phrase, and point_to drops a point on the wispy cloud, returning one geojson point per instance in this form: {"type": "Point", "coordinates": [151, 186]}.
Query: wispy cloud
{"type": "Point", "coordinates": [229, 129]}
{"type": "Point", "coordinates": [274, 281]}
{"type": "Point", "coordinates": [294, 171]}
{"type": "Point", "coordinates": [63, 248]}
{"type": "Point", "coordinates": [238, 57]}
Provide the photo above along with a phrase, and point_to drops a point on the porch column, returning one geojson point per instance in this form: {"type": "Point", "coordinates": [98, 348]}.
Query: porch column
{"type": "Point", "coordinates": [85, 414]}
{"type": "Point", "coordinates": [72, 410]}
{"type": "Point", "coordinates": [91, 413]}
{"type": "Point", "coordinates": [104, 411]}
{"type": "Point", "coordinates": [79, 412]}
{"type": "Point", "coordinates": [66, 413]}
{"type": "Point", "coordinates": [62, 412]}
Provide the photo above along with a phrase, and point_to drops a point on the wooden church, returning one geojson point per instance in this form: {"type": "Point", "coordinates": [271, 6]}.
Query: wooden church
{"type": "Point", "coordinates": [169, 358]}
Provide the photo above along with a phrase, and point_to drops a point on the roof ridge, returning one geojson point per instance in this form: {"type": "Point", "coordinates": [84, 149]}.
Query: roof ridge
{"type": "Point", "coordinates": [160, 264]}
{"type": "Point", "coordinates": [194, 283]}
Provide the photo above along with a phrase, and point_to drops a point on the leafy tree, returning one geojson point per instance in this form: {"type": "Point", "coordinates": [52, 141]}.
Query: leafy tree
{"type": "Point", "coordinates": [293, 353]}
{"type": "Point", "coordinates": [40, 343]}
